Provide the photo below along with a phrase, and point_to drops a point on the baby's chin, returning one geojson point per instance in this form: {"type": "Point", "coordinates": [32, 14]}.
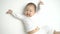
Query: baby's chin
{"type": "Point", "coordinates": [28, 15]}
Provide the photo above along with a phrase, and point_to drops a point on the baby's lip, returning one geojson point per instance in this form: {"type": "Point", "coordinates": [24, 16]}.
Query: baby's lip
{"type": "Point", "coordinates": [28, 14]}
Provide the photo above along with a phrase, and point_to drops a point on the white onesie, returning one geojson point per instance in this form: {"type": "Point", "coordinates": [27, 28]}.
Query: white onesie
{"type": "Point", "coordinates": [29, 22]}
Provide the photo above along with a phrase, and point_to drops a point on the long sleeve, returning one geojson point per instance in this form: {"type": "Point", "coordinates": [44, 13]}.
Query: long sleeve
{"type": "Point", "coordinates": [38, 7]}
{"type": "Point", "coordinates": [17, 16]}
{"type": "Point", "coordinates": [40, 3]}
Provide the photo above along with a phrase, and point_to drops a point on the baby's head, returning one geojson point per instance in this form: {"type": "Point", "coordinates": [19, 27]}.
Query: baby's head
{"type": "Point", "coordinates": [30, 9]}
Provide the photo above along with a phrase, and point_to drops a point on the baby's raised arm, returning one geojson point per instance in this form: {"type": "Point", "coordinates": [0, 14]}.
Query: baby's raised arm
{"type": "Point", "coordinates": [14, 15]}
{"type": "Point", "coordinates": [39, 3]}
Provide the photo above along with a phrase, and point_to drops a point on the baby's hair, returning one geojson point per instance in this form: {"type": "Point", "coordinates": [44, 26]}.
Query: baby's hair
{"type": "Point", "coordinates": [31, 4]}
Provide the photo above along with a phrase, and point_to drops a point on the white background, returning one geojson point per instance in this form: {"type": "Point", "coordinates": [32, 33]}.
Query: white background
{"type": "Point", "coordinates": [49, 14]}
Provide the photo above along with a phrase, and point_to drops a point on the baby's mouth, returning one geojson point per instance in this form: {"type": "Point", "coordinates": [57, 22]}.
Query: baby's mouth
{"type": "Point", "coordinates": [28, 14]}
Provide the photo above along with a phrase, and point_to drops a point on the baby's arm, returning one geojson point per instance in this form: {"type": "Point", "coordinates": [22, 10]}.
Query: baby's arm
{"type": "Point", "coordinates": [34, 31]}
{"type": "Point", "coordinates": [40, 3]}
{"type": "Point", "coordinates": [14, 15]}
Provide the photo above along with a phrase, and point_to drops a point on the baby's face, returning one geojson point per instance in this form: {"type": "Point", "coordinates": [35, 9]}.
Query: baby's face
{"type": "Point", "coordinates": [29, 11]}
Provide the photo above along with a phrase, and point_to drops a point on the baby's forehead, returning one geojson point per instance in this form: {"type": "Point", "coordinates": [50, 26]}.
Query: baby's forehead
{"type": "Point", "coordinates": [33, 6]}
{"type": "Point", "coordinates": [30, 6]}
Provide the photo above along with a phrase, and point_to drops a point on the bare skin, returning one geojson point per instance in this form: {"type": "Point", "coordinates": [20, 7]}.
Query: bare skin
{"type": "Point", "coordinates": [29, 11]}
{"type": "Point", "coordinates": [35, 30]}
{"type": "Point", "coordinates": [55, 32]}
{"type": "Point", "coordinates": [9, 11]}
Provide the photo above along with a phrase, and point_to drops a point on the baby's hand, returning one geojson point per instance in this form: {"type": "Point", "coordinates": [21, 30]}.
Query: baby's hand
{"type": "Point", "coordinates": [41, 2]}
{"type": "Point", "coordinates": [9, 11]}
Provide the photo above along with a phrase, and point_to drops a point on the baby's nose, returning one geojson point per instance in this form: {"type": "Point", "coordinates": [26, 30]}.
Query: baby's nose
{"type": "Point", "coordinates": [28, 13]}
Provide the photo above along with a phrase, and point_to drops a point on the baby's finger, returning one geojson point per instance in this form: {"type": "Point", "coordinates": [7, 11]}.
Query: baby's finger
{"type": "Point", "coordinates": [7, 12]}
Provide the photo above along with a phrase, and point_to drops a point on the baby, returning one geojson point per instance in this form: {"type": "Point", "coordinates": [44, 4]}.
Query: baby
{"type": "Point", "coordinates": [27, 17]}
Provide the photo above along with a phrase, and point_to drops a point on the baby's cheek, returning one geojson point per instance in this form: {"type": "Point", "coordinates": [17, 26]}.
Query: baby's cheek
{"type": "Point", "coordinates": [25, 12]}
{"type": "Point", "coordinates": [32, 13]}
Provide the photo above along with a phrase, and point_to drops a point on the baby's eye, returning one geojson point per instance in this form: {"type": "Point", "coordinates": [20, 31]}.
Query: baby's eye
{"type": "Point", "coordinates": [30, 11]}
{"type": "Point", "coordinates": [26, 10]}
